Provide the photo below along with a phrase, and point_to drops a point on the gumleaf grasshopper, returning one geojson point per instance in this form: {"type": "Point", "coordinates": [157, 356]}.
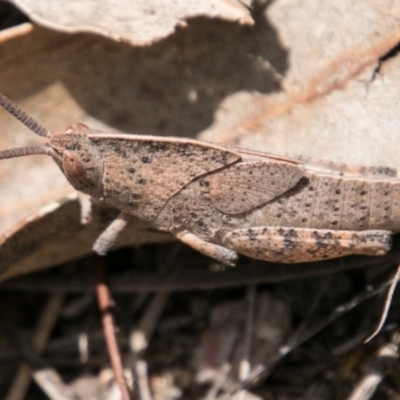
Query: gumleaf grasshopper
{"type": "Point", "coordinates": [224, 201]}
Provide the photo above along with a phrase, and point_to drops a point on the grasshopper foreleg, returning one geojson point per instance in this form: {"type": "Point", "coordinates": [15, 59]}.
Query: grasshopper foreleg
{"type": "Point", "coordinates": [110, 234]}
{"type": "Point", "coordinates": [295, 245]}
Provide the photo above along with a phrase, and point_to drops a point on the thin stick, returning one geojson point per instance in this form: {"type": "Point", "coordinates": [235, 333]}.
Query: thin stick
{"type": "Point", "coordinates": [23, 117]}
{"type": "Point", "coordinates": [140, 338]}
{"type": "Point", "coordinates": [183, 280]}
{"type": "Point", "coordinates": [310, 332]}
{"type": "Point", "coordinates": [220, 378]}
{"type": "Point", "coordinates": [143, 380]}
{"type": "Point", "coordinates": [105, 304]}
{"type": "Point", "coordinates": [51, 383]}
{"type": "Point", "coordinates": [43, 330]}
{"type": "Point", "coordinates": [384, 360]}
{"type": "Point", "coordinates": [245, 364]}
{"type": "Point", "coordinates": [386, 307]}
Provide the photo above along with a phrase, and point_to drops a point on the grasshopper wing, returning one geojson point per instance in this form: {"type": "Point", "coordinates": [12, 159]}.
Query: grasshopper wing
{"type": "Point", "coordinates": [247, 185]}
{"type": "Point", "coordinates": [141, 173]}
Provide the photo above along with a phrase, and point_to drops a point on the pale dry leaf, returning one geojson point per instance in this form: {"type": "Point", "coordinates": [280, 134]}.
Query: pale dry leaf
{"type": "Point", "coordinates": [138, 23]}
{"type": "Point", "coordinates": [330, 42]}
{"type": "Point", "coordinates": [358, 124]}
{"type": "Point", "coordinates": [56, 234]}
{"type": "Point", "coordinates": [58, 87]}
{"type": "Point", "coordinates": [54, 91]}
{"type": "Point", "coordinates": [302, 80]}
{"type": "Point", "coordinates": [339, 100]}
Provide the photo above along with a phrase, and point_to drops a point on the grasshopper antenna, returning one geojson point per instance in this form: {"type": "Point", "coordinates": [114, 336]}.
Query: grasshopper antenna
{"type": "Point", "coordinates": [25, 151]}
{"type": "Point", "coordinates": [22, 116]}
{"type": "Point", "coordinates": [29, 122]}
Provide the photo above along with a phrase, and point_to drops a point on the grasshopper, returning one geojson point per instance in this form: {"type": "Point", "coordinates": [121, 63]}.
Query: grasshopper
{"type": "Point", "coordinates": [224, 201]}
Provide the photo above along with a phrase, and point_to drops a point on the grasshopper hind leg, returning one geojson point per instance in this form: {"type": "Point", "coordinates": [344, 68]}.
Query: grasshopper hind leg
{"type": "Point", "coordinates": [296, 245]}
{"type": "Point", "coordinates": [219, 253]}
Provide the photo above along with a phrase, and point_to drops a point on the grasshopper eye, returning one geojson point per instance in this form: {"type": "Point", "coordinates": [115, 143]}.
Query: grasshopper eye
{"type": "Point", "coordinates": [76, 128]}
{"type": "Point", "coordinates": [83, 169]}
{"type": "Point", "coordinates": [72, 166]}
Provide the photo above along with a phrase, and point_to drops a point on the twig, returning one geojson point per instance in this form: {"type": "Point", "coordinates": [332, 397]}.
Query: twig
{"type": "Point", "coordinates": [182, 280]}
{"type": "Point", "coordinates": [219, 380]}
{"type": "Point", "coordinates": [148, 323]}
{"type": "Point", "coordinates": [245, 364]}
{"type": "Point", "coordinates": [52, 384]}
{"type": "Point", "coordinates": [386, 356]}
{"type": "Point", "coordinates": [386, 307]}
{"type": "Point", "coordinates": [142, 379]}
{"type": "Point", "coordinates": [105, 305]}
{"type": "Point", "coordinates": [42, 333]}
{"type": "Point", "coordinates": [310, 332]}
{"type": "Point", "coordinates": [140, 338]}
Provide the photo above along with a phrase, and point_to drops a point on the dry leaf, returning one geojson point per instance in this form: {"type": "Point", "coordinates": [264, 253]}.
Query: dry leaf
{"type": "Point", "coordinates": [307, 79]}
{"type": "Point", "coordinates": [357, 124]}
{"type": "Point", "coordinates": [339, 98]}
{"type": "Point", "coordinates": [138, 23]}
{"type": "Point", "coordinates": [57, 233]}
{"type": "Point", "coordinates": [57, 88]}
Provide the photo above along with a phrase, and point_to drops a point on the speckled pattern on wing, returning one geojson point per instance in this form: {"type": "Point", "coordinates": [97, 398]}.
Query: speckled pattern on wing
{"type": "Point", "coordinates": [339, 203]}
{"type": "Point", "coordinates": [295, 245]}
{"type": "Point", "coordinates": [247, 185]}
{"type": "Point", "coordinates": [141, 175]}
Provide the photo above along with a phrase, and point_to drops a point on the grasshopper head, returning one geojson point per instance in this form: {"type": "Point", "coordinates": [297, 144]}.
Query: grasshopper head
{"type": "Point", "coordinates": [72, 150]}
{"type": "Point", "coordinates": [78, 158]}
